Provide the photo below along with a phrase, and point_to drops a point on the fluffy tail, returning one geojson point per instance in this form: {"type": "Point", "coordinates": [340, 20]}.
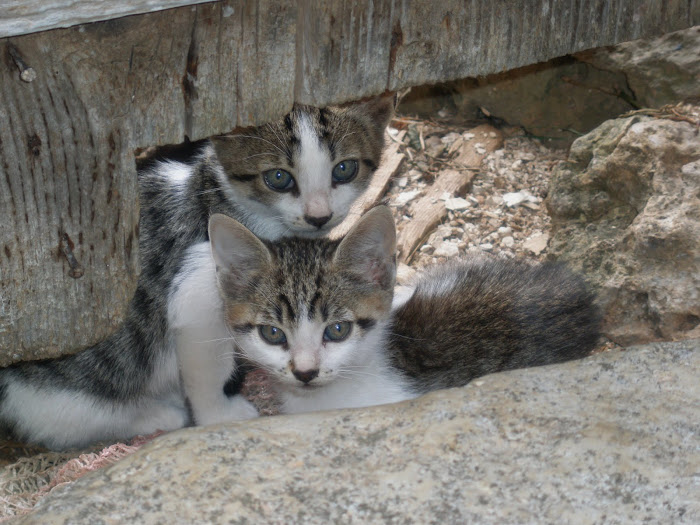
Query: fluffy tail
{"type": "Point", "coordinates": [471, 318]}
{"type": "Point", "coordinates": [100, 394]}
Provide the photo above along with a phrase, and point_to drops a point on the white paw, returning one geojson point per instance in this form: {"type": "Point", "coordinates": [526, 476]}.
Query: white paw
{"type": "Point", "coordinates": [236, 408]}
{"type": "Point", "coordinates": [160, 417]}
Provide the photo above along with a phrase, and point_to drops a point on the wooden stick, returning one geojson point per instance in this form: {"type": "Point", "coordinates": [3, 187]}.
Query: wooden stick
{"type": "Point", "coordinates": [391, 162]}
{"type": "Point", "coordinates": [430, 211]}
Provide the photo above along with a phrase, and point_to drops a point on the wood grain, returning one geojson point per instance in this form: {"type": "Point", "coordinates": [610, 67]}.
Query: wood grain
{"type": "Point", "coordinates": [351, 49]}
{"type": "Point", "coordinates": [429, 211]}
{"type": "Point", "coordinates": [19, 17]}
{"type": "Point", "coordinates": [67, 142]}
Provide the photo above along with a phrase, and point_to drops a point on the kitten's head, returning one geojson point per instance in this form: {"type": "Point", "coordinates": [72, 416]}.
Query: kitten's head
{"type": "Point", "coordinates": [308, 311]}
{"type": "Point", "coordinates": [302, 173]}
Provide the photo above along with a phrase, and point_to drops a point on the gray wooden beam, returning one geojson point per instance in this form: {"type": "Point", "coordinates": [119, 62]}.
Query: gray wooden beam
{"type": "Point", "coordinates": [351, 49]}
{"type": "Point", "coordinates": [67, 142]}
{"type": "Point", "coordinates": [20, 17]}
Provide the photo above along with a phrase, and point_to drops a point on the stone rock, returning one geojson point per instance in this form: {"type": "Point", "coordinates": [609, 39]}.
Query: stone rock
{"type": "Point", "coordinates": [434, 146]}
{"type": "Point", "coordinates": [536, 243]}
{"type": "Point", "coordinates": [406, 196]}
{"type": "Point", "coordinates": [611, 438]}
{"type": "Point", "coordinates": [626, 213]}
{"type": "Point", "coordinates": [450, 138]}
{"type": "Point", "coordinates": [557, 100]}
{"type": "Point", "coordinates": [447, 249]}
{"type": "Point", "coordinates": [457, 204]}
{"type": "Point", "coordinates": [514, 199]}
{"type": "Point", "coordinates": [662, 70]}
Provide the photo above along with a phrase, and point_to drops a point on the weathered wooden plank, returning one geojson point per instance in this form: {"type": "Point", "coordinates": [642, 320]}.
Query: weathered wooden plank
{"type": "Point", "coordinates": [62, 175]}
{"type": "Point", "coordinates": [239, 69]}
{"type": "Point", "coordinates": [343, 50]}
{"type": "Point", "coordinates": [19, 17]}
{"type": "Point", "coordinates": [66, 150]}
{"type": "Point", "coordinates": [425, 42]}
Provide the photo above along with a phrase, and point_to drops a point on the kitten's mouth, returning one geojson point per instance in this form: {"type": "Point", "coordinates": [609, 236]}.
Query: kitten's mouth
{"type": "Point", "coordinates": [307, 389]}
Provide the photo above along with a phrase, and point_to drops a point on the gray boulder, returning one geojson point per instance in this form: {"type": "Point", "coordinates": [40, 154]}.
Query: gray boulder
{"type": "Point", "coordinates": [609, 439]}
{"type": "Point", "coordinates": [626, 213]}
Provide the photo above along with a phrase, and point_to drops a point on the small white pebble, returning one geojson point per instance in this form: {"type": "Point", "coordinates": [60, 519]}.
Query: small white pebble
{"type": "Point", "coordinates": [508, 241]}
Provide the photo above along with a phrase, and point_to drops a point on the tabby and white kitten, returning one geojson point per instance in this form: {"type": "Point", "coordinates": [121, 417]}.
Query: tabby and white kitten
{"type": "Point", "coordinates": [317, 315]}
{"type": "Point", "coordinates": [167, 364]}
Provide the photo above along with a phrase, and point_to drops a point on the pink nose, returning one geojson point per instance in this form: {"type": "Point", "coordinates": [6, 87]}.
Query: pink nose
{"type": "Point", "coordinates": [317, 206]}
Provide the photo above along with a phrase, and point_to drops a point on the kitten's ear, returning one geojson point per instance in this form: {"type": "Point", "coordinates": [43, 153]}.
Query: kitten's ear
{"type": "Point", "coordinates": [229, 150]}
{"type": "Point", "coordinates": [379, 109]}
{"type": "Point", "coordinates": [369, 248]}
{"type": "Point", "coordinates": [237, 252]}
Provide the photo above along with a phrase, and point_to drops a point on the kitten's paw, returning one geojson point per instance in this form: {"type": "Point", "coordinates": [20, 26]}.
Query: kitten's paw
{"type": "Point", "coordinates": [161, 417]}
{"type": "Point", "coordinates": [236, 408]}
{"type": "Point", "coordinates": [241, 408]}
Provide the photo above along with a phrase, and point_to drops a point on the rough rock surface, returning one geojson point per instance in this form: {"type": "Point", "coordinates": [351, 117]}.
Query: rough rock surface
{"type": "Point", "coordinates": [612, 438]}
{"type": "Point", "coordinates": [556, 101]}
{"type": "Point", "coordinates": [626, 213]}
{"type": "Point", "coordinates": [662, 70]}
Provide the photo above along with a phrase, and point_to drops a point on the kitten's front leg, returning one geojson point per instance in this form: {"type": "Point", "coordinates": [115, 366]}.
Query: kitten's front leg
{"type": "Point", "coordinates": [206, 362]}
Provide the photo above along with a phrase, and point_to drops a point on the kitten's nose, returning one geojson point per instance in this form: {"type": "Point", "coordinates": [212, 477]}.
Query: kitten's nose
{"type": "Point", "coordinates": [305, 376]}
{"type": "Point", "coordinates": [317, 221]}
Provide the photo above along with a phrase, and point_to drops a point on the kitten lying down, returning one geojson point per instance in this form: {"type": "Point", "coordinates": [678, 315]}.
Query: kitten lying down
{"type": "Point", "coordinates": [317, 316]}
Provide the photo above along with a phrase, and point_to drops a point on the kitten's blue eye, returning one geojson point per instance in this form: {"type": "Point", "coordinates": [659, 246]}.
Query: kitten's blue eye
{"type": "Point", "coordinates": [345, 171]}
{"type": "Point", "coordinates": [279, 180]}
{"type": "Point", "coordinates": [337, 331]}
{"type": "Point", "coordinates": [272, 334]}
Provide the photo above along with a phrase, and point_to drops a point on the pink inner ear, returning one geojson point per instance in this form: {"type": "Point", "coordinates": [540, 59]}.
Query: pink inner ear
{"type": "Point", "coordinates": [377, 272]}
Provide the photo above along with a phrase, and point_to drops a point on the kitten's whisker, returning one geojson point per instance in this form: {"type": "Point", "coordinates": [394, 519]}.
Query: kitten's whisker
{"type": "Point", "coordinates": [347, 134]}
{"type": "Point", "coordinates": [356, 373]}
{"type": "Point", "coordinates": [264, 140]}
{"type": "Point", "coordinates": [216, 340]}
{"type": "Point", "coordinates": [259, 155]}
{"type": "Point", "coordinates": [279, 139]}
{"type": "Point", "coordinates": [227, 355]}
{"type": "Point", "coordinates": [407, 337]}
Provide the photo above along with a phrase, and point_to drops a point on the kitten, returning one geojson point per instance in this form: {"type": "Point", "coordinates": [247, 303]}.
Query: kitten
{"type": "Point", "coordinates": [317, 315]}
{"type": "Point", "coordinates": [167, 365]}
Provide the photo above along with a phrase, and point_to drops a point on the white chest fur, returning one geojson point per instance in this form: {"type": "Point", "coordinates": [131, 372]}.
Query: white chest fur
{"type": "Point", "coordinates": [204, 347]}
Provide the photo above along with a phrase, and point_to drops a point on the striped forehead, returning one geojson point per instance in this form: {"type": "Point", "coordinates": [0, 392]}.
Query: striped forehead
{"type": "Point", "coordinates": [302, 288]}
